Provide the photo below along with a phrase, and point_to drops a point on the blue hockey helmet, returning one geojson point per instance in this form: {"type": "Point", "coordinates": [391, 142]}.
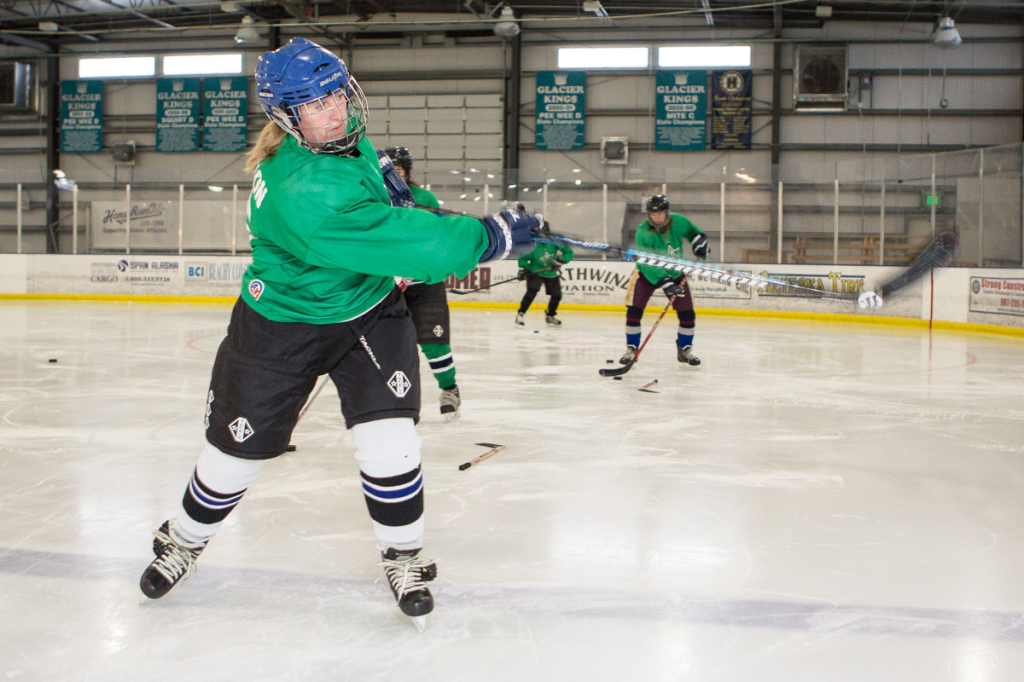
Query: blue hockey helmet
{"type": "Point", "coordinates": [303, 77]}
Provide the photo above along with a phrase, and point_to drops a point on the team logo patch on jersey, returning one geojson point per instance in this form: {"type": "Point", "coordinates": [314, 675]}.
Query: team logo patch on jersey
{"type": "Point", "coordinates": [209, 408]}
{"type": "Point", "coordinates": [438, 331]}
{"type": "Point", "coordinates": [240, 430]}
{"type": "Point", "coordinates": [256, 288]}
{"type": "Point", "coordinates": [399, 384]}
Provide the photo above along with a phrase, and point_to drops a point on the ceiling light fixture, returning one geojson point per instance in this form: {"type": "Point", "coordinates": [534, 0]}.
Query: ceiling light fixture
{"type": "Point", "coordinates": [596, 7]}
{"type": "Point", "coordinates": [247, 32]}
{"type": "Point", "coordinates": [946, 34]}
{"type": "Point", "coordinates": [507, 26]}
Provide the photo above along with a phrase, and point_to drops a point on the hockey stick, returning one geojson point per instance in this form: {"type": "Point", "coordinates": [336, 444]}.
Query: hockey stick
{"type": "Point", "coordinates": [939, 253]}
{"type": "Point", "coordinates": [495, 449]}
{"type": "Point", "coordinates": [619, 371]}
{"type": "Point", "coordinates": [305, 408]}
{"type": "Point", "coordinates": [681, 265]}
{"type": "Point", "coordinates": [473, 291]}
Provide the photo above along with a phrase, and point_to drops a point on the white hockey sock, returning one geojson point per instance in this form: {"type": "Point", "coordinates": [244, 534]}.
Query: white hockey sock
{"type": "Point", "coordinates": [388, 451]}
{"type": "Point", "coordinates": [216, 487]}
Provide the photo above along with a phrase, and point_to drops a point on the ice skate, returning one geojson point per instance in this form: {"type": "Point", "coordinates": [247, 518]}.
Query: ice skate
{"type": "Point", "coordinates": [685, 355]}
{"type": "Point", "coordinates": [450, 403]}
{"type": "Point", "coordinates": [628, 356]}
{"type": "Point", "coordinates": [175, 561]}
{"type": "Point", "coordinates": [407, 572]}
{"type": "Point", "coordinates": [521, 319]}
{"type": "Point", "coordinates": [552, 320]}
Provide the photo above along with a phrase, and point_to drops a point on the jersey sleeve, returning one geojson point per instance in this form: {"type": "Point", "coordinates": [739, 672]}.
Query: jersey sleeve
{"type": "Point", "coordinates": [424, 197]}
{"type": "Point", "coordinates": [358, 232]}
{"type": "Point", "coordinates": [566, 253]}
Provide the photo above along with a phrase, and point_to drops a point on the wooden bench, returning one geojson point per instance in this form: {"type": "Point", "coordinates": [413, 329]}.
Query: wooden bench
{"type": "Point", "coordinates": [762, 256]}
{"type": "Point", "coordinates": [859, 249]}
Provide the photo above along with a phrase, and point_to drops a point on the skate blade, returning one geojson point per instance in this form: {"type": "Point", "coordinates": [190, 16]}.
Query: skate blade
{"type": "Point", "coordinates": [420, 622]}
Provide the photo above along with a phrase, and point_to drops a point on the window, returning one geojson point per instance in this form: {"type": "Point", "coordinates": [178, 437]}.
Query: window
{"type": "Point", "coordinates": [701, 56]}
{"type": "Point", "coordinates": [603, 57]}
{"type": "Point", "coordinates": [116, 67]}
{"type": "Point", "coordinates": [202, 64]}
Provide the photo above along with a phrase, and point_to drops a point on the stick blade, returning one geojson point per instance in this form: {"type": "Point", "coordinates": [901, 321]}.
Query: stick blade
{"type": "Point", "coordinates": [490, 445]}
{"type": "Point", "coordinates": [617, 372]}
{"type": "Point", "coordinates": [939, 253]}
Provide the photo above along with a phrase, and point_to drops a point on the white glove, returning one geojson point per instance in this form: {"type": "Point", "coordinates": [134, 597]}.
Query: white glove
{"type": "Point", "coordinates": [869, 299]}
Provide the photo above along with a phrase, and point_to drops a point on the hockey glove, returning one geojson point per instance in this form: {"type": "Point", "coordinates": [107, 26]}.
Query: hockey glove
{"type": "Point", "coordinates": [511, 234]}
{"type": "Point", "coordinates": [701, 248]}
{"type": "Point", "coordinates": [670, 288]}
{"type": "Point", "coordinates": [522, 274]}
{"type": "Point", "coordinates": [393, 182]}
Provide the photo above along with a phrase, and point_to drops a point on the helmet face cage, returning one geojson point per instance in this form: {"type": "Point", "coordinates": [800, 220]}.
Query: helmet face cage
{"type": "Point", "coordinates": [302, 81]}
{"type": "Point", "coordinates": [402, 158]}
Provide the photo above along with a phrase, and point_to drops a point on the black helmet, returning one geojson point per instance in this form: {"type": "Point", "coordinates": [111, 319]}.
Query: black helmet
{"type": "Point", "coordinates": [401, 157]}
{"type": "Point", "coordinates": [657, 204]}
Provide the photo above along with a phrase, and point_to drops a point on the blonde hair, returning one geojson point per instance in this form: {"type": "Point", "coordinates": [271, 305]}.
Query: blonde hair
{"type": "Point", "coordinates": [266, 146]}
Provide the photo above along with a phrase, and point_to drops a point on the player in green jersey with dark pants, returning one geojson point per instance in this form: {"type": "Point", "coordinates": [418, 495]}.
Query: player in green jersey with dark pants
{"type": "Point", "coordinates": [428, 304]}
{"type": "Point", "coordinates": [320, 298]}
{"type": "Point", "coordinates": [664, 233]}
{"type": "Point", "coordinates": [539, 268]}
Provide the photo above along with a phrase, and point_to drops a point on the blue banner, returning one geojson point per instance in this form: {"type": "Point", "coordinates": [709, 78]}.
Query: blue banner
{"type": "Point", "coordinates": [177, 114]}
{"type": "Point", "coordinates": [681, 110]}
{"type": "Point", "coordinates": [560, 119]}
{"type": "Point", "coordinates": [731, 97]}
{"type": "Point", "coordinates": [81, 116]}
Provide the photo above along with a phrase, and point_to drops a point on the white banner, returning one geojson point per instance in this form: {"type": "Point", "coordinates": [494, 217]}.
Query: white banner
{"type": "Point", "coordinates": [997, 295]}
{"type": "Point", "coordinates": [153, 225]}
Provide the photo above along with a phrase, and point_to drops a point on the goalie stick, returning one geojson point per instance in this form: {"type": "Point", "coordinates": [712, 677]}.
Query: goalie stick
{"type": "Point", "coordinates": [619, 371]}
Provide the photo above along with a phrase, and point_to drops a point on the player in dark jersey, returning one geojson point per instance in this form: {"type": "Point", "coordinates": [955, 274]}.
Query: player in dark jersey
{"type": "Point", "coordinates": [320, 298]}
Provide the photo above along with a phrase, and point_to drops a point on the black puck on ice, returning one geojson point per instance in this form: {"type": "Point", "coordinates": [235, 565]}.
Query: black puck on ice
{"type": "Point", "coordinates": [53, 360]}
{"type": "Point", "coordinates": [618, 378]}
{"type": "Point", "coordinates": [609, 361]}
{"type": "Point", "coordinates": [290, 448]}
{"type": "Point", "coordinates": [536, 331]}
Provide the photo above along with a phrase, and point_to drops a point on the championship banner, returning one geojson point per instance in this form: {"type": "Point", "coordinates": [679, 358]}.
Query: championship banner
{"type": "Point", "coordinates": [560, 118]}
{"type": "Point", "coordinates": [177, 114]}
{"type": "Point", "coordinates": [681, 106]}
{"type": "Point", "coordinates": [81, 116]}
{"type": "Point", "coordinates": [731, 97]}
{"type": "Point", "coordinates": [997, 296]}
{"type": "Point", "coordinates": [225, 109]}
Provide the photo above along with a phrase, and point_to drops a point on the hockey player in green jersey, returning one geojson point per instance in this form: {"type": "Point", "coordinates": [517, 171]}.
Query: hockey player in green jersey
{"type": "Point", "coordinates": [542, 266]}
{"type": "Point", "coordinates": [663, 233]}
{"type": "Point", "coordinates": [320, 298]}
{"type": "Point", "coordinates": [428, 304]}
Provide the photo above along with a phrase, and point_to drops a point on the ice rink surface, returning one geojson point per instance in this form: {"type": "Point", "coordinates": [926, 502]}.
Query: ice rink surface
{"type": "Point", "coordinates": [814, 502]}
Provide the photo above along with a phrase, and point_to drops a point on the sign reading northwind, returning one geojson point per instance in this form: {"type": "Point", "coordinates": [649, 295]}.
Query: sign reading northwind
{"type": "Point", "coordinates": [560, 111]}
{"type": "Point", "coordinates": [681, 110]}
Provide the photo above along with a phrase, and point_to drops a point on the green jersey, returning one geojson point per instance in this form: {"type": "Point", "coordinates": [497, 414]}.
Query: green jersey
{"type": "Point", "coordinates": [669, 244]}
{"type": "Point", "coordinates": [423, 197]}
{"type": "Point", "coordinates": [543, 256]}
{"type": "Point", "coordinates": [327, 244]}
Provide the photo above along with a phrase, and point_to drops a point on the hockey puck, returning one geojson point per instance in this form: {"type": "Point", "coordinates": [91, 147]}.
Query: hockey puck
{"type": "Point", "coordinates": [290, 448]}
{"type": "Point", "coordinates": [609, 361]}
{"type": "Point", "coordinates": [53, 360]}
{"type": "Point", "coordinates": [536, 331]}
{"type": "Point", "coordinates": [618, 378]}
